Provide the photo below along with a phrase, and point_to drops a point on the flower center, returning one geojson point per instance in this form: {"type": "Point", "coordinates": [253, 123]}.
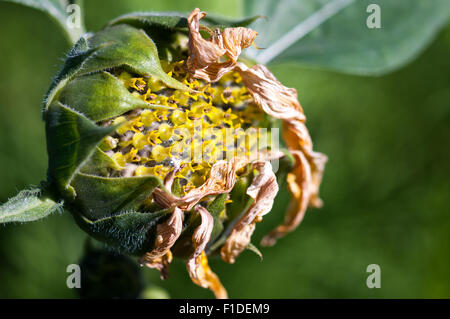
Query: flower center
{"type": "Point", "coordinates": [189, 133]}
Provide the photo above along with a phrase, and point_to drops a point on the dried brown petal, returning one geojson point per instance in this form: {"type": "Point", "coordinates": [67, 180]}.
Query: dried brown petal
{"type": "Point", "coordinates": [164, 198]}
{"type": "Point", "coordinates": [237, 39]}
{"type": "Point", "coordinates": [269, 94]}
{"type": "Point", "coordinates": [170, 177]}
{"type": "Point", "coordinates": [263, 190]}
{"type": "Point", "coordinates": [168, 180]}
{"type": "Point", "coordinates": [299, 185]}
{"type": "Point", "coordinates": [197, 264]}
{"type": "Point", "coordinates": [221, 180]}
{"type": "Point", "coordinates": [160, 263]}
{"type": "Point", "coordinates": [204, 54]}
{"type": "Point", "coordinates": [296, 136]}
{"type": "Point", "coordinates": [166, 235]}
{"type": "Point", "coordinates": [208, 279]}
{"type": "Point", "coordinates": [281, 102]}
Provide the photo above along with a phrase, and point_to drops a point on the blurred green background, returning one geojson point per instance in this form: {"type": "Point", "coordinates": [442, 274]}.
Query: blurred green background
{"type": "Point", "coordinates": [386, 187]}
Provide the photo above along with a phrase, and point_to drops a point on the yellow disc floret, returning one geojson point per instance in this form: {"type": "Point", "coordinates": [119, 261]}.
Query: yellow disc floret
{"type": "Point", "coordinates": [192, 131]}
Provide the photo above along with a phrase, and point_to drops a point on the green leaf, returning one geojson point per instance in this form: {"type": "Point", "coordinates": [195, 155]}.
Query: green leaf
{"type": "Point", "coordinates": [127, 47]}
{"type": "Point", "coordinates": [216, 208]}
{"type": "Point", "coordinates": [240, 202]}
{"type": "Point", "coordinates": [148, 20]}
{"type": "Point", "coordinates": [99, 197]}
{"type": "Point", "coordinates": [100, 96]}
{"type": "Point", "coordinates": [130, 232]}
{"type": "Point", "coordinates": [71, 139]}
{"type": "Point", "coordinates": [177, 189]}
{"type": "Point", "coordinates": [58, 10]}
{"type": "Point", "coordinates": [27, 206]}
{"type": "Point", "coordinates": [333, 34]}
{"type": "Point", "coordinates": [176, 21]}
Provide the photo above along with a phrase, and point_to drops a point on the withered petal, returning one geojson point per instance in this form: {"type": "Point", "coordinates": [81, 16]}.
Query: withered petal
{"type": "Point", "coordinates": [281, 102]}
{"type": "Point", "coordinates": [317, 161]}
{"type": "Point", "coordinates": [202, 233]}
{"type": "Point", "coordinates": [168, 180]}
{"type": "Point", "coordinates": [164, 198]}
{"type": "Point", "coordinates": [204, 54]}
{"type": "Point", "coordinates": [159, 263]}
{"type": "Point", "coordinates": [299, 185]}
{"type": "Point", "coordinates": [296, 136]}
{"type": "Point", "coordinates": [208, 278]}
{"type": "Point", "coordinates": [222, 178]}
{"type": "Point", "coordinates": [263, 190]}
{"type": "Point", "coordinates": [213, 72]}
{"type": "Point", "coordinates": [166, 235]}
{"type": "Point", "coordinates": [197, 264]}
{"type": "Point", "coordinates": [236, 39]}
{"type": "Point", "coordinates": [269, 94]}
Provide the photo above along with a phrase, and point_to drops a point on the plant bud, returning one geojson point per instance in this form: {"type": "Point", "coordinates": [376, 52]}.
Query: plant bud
{"type": "Point", "coordinates": [155, 141]}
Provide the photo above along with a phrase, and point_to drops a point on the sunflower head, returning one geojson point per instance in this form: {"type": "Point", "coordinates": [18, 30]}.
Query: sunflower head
{"type": "Point", "coordinates": [162, 141]}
